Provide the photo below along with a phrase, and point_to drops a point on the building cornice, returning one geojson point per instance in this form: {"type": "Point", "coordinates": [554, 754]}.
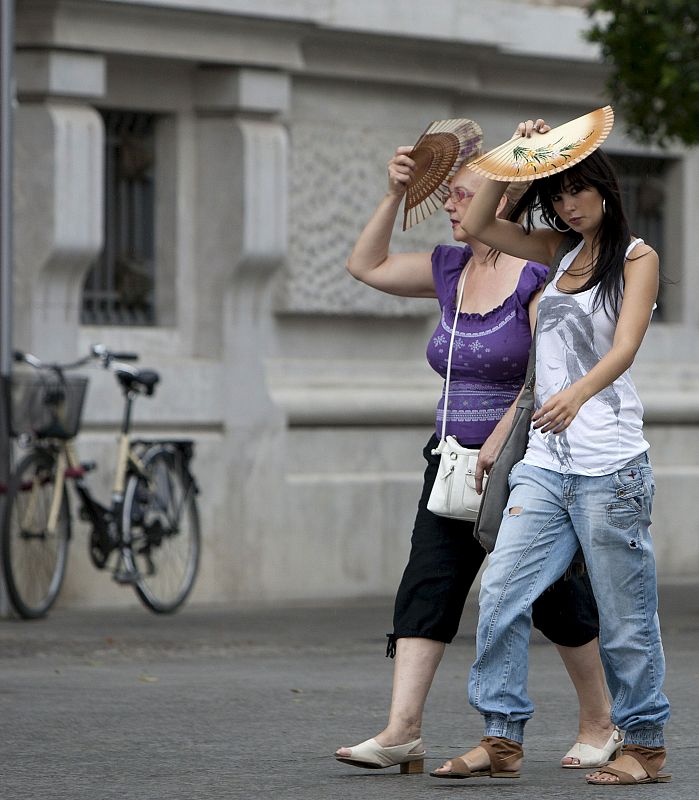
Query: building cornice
{"type": "Point", "coordinates": [274, 32]}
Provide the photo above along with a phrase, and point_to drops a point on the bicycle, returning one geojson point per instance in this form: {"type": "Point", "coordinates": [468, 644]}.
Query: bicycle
{"type": "Point", "coordinates": [149, 533]}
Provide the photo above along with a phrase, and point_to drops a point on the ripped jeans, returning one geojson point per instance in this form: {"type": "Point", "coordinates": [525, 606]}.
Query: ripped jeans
{"type": "Point", "coordinates": [547, 516]}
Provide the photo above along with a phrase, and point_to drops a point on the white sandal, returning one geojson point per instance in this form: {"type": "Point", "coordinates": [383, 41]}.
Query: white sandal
{"type": "Point", "coordinates": [371, 755]}
{"type": "Point", "coordinates": [589, 756]}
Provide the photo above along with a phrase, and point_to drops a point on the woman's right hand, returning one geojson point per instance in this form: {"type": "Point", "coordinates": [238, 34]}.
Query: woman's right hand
{"type": "Point", "coordinates": [489, 452]}
{"type": "Point", "coordinates": [525, 129]}
{"type": "Point", "coordinates": [401, 169]}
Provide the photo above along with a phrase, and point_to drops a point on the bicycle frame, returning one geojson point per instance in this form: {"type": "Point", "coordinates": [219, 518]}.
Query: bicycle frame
{"type": "Point", "coordinates": [108, 519]}
{"type": "Point", "coordinates": [68, 465]}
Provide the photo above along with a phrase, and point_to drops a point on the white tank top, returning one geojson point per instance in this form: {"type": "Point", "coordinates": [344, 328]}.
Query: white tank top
{"type": "Point", "coordinates": [570, 339]}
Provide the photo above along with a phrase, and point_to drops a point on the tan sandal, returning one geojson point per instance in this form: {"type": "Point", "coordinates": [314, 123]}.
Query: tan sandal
{"type": "Point", "coordinates": [501, 752]}
{"type": "Point", "coordinates": [650, 758]}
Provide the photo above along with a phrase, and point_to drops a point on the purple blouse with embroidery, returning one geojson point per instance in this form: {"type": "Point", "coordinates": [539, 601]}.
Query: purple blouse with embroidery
{"type": "Point", "coordinates": [490, 350]}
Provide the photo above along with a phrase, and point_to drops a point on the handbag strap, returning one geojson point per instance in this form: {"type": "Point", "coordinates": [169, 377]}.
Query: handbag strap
{"type": "Point", "coordinates": [459, 298]}
{"type": "Point", "coordinates": [568, 243]}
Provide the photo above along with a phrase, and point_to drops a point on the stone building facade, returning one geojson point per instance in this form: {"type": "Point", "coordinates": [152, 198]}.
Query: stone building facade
{"type": "Point", "coordinates": [269, 123]}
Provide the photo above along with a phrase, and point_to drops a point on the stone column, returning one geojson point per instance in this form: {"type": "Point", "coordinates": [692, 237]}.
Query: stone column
{"type": "Point", "coordinates": [242, 243]}
{"type": "Point", "coordinates": [59, 145]}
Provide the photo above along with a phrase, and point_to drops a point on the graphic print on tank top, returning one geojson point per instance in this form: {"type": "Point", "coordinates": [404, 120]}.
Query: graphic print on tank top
{"type": "Point", "coordinates": [573, 325]}
{"type": "Point", "coordinates": [574, 332]}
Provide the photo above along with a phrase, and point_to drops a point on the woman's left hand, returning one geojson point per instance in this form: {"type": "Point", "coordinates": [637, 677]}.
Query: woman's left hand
{"type": "Point", "coordinates": [556, 414]}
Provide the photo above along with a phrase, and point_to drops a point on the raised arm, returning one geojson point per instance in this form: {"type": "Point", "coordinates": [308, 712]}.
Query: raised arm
{"type": "Point", "coordinates": [481, 221]}
{"type": "Point", "coordinates": [405, 274]}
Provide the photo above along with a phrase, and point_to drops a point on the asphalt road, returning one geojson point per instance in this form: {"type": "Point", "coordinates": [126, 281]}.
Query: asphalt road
{"type": "Point", "coordinates": [218, 703]}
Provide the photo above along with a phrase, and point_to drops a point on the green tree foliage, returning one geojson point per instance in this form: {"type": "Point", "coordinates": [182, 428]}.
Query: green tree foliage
{"type": "Point", "coordinates": [653, 50]}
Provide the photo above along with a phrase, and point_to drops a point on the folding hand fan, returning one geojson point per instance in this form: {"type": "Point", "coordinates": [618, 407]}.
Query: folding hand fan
{"type": "Point", "coordinates": [521, 159]}
{"type": "Point", "coordinates": [438, 153]}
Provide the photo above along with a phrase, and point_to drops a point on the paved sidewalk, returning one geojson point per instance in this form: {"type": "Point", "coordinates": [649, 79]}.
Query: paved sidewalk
{"type": "Point", "coordinates": [214, 703]}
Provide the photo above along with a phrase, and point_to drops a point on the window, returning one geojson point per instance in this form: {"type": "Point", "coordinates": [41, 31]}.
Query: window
{"type": "Point", "coordinates": [643, 188]}
{"type": "Point", "coordinates": [120, 286]}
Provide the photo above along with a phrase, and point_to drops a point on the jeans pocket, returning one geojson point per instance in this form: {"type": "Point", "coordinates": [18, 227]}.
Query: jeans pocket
{"type": "Point", "coordinates": [629, 491]}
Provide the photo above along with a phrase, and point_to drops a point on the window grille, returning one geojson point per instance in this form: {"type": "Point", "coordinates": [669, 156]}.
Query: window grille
{"type": "Point", "coordinates": [120, 286]}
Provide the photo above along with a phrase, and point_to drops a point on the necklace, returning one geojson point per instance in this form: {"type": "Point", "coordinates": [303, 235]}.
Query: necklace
{"type": "Point", "coordinates": [580, 272]}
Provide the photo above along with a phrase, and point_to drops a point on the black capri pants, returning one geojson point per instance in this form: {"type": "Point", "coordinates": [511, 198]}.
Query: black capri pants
{"type": "Point", "coordinates": [444, 561]}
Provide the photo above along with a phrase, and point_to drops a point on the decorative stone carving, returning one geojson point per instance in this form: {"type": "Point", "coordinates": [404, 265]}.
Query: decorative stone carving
{"type": "Point", "coordinates": [337, 176]}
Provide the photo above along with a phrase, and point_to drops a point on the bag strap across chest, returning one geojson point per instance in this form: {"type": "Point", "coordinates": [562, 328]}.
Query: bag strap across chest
{"type": "Point", "coordinates": [457, 310]}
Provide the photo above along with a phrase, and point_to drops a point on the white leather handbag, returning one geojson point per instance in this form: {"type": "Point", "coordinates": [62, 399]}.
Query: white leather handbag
{"type": "Point", "coordinates": [454, 491]}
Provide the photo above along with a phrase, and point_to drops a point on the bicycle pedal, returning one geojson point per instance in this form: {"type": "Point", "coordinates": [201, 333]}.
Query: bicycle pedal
{"type": "Point", "coordinates": [126, 578]}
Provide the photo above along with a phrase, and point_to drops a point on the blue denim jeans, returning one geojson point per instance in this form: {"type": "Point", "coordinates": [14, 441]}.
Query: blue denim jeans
{"type": "Point", "coordinates": [547, 516]}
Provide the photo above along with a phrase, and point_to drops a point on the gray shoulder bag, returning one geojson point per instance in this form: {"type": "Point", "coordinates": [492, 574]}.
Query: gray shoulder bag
{"type": "Point", "coordinates": [497, 489]}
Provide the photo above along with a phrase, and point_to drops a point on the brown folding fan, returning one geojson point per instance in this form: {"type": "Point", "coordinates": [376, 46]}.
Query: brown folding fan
{"type": "Point", "coordinates": [544, 154]}
{"type": "Point", "coordinates": [438, 154]}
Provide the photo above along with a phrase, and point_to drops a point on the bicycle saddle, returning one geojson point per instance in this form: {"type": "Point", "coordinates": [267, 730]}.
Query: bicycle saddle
{"type": "Point", "coordinates": [137, 379]}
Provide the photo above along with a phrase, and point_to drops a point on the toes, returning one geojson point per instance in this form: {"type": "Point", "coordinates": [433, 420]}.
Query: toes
{"type": "Point", "coordinates": [603, 777]}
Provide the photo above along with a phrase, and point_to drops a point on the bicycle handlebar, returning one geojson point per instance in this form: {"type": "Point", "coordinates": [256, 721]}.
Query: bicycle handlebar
{"type": "Point", "coordinates": [97, 351]}
{"type": "Point", "coordinates": [106, 355]}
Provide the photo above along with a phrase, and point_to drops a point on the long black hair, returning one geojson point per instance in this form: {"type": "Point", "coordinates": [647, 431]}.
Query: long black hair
{"type": "Point", "coordinates": [613, 235]}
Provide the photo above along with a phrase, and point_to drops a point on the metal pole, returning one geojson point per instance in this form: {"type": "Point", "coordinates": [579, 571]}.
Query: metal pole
{"type": "Point", "coordinates": [7, 95]}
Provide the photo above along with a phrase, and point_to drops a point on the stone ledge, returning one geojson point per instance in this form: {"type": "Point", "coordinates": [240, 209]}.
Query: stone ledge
{"type": "Point", "coordinates": [348, 405]}
{"type": "Point", "coordinates": [674, 407]}
{"type": "Point", "coordinates": [403, 397]}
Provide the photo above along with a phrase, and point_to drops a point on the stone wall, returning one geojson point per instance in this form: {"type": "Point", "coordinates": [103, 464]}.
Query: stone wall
{"type": "Point", "coordinates": [276, 120]}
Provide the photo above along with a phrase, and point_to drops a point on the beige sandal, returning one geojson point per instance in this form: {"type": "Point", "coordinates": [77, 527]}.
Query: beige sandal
{"type": "Point", "coordinates": [650, 758]}
{"type": "Point", "coordinates": [501, 752]}
{"type": "Point", "coordinates": [588, 756]}
{"type": "Point", "coordinates": [371, 755]}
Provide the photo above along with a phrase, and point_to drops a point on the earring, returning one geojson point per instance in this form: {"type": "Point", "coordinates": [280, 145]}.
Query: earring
{"type": "Point", "coordinates": [604, 205]}
{"type": "Point", "coordinates": [560, 230]}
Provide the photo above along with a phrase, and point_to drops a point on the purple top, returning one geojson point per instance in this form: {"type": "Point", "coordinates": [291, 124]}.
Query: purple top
{"type": "Point", "coordinates": [490, 350]}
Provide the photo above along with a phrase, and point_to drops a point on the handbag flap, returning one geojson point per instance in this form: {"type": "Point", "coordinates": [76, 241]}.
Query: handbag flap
{"type": "Point", "coordinates": [453, 445]}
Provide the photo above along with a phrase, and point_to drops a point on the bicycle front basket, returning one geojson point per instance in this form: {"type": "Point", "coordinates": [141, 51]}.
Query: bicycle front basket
{"type": "Point", "coordinates": [46, 405]}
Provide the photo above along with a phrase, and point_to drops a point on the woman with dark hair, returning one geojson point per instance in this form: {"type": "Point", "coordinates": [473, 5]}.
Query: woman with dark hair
{"type": "Point", "coordinates": [585, 480]}
{"type": "Point", "coordinates": [492, 340]}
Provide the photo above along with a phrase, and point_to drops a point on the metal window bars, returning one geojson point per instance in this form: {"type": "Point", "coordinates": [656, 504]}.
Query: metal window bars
{"type": "Point", "coordinates": [120, 287]}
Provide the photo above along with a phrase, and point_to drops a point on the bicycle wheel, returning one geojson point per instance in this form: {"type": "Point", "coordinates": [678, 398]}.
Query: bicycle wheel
{"type": "Point", "coordinates": [33, 557]}
{"type": "Point", "coordinates": [161, 525]}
